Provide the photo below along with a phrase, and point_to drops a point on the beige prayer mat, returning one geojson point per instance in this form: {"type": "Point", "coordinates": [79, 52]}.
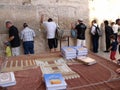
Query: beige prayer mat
{"type": "Point", "coordinates": [16, 65]}
{"type": "Point", "coordinates": [57, 66]}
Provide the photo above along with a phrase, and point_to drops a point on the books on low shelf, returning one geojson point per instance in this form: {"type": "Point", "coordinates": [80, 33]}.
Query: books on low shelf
{"type": "Point", "coordinates": [55, 81]}
{"type": "Point", "coordinates": [81, 51]}
{"type": "Point", "coordinates": [72, 52]}
{"type": "Point", "coordinates": [7, 79]}
{"type": "Point", "coordinates": [68, 52]}
{"type": "Point", "coordinates": [87, 60]}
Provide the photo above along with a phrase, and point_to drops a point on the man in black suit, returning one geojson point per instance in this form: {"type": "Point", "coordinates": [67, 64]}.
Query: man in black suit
{"type": "Point", "coordinates": [108, 33]}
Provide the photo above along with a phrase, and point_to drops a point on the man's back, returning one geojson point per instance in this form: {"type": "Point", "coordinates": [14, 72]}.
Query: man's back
{"type": "Point", "coordinates": [51, 28]}
{"type": "Point", "coordinates": [115, 28]}
{"type": "Point", "coordinates": [108, 31]}
{"type": "Point", "coordinates": [27, 34]}
{"type": "Point", "coordinates": [81, 31]}
{"type": "Point", "coordinates": [13, 31]}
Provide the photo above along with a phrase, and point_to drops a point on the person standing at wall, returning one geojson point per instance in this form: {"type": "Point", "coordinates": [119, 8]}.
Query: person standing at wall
{"type": "Point", "coordinates": [103, 37]}
{"type": "Point", "coordinates": [27, 35]}
{"type": "Point", "coordinates": [108, 33]}
{"type": "Point", "coordinates": [81, 28]}
{"type": "Point", "coordinates": [14, 38]}
{"type": "Point", "coordinates": [95, 36]}
{"type": "Point", "coordinates": [50, 26]}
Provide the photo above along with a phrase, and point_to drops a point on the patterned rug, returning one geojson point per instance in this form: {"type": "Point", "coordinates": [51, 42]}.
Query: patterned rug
{"type": "Point", "coordinates": [56, 66]}
{"type": "Point", "coordinates": [17, 65]}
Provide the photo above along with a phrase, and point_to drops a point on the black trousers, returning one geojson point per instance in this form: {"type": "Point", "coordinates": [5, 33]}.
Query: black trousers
{"type": "Point", "coordinates": [107, 43]}
{"type": "Point", "coordinates": [95, 41]}
{"type": "Point", "coordinates": [52, 43]}
{"type": "Point", "coordinates": [115, 34]}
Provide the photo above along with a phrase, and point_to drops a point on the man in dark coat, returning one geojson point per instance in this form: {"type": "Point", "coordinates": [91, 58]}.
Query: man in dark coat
{"type": "Point", "coordinates": [81, 28]}
{"type": "Point", "coordinates": [108, 33]}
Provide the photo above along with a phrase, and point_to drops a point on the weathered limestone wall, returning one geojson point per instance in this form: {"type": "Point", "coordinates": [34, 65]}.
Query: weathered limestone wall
{"type": "Point", "coordinates": [63, 12]}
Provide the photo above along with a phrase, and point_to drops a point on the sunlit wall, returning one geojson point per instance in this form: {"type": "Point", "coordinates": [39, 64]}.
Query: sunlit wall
{"type": "Point", "coordinates": [104, 9]}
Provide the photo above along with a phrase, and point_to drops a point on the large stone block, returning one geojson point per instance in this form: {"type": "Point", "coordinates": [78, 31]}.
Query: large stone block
{"type": "Point", "coordinates": [15, 2]}
{"type": "Point", "coordinates": [63, 12]}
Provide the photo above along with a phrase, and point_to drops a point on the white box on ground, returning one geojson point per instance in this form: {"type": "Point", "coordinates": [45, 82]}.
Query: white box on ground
{"type": "Point", "coordinates": [68, 52]}
{"type": "Point", "coordinates": [87, 60]}
{"type": "Point", "coordinates": [7, 79]}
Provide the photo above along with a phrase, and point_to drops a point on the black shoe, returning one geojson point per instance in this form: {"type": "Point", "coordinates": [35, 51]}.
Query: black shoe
{"type": "Point", "coordinates": [106, 51]}
{"type": "Point", "coordinates": [95, 51]}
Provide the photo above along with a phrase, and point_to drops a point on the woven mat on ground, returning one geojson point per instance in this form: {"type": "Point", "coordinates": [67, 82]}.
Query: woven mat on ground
{"type": "Point", "coordinates": [101, 76]}
{"type": "Point", "coordinates": [24, 62]}
{"type": "Point", "coordinates": [17, 65]}
{"type": "Point", "coordinates": [56, 66]}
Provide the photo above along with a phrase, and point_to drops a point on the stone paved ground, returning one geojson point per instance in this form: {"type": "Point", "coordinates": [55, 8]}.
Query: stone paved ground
{"type": "Point", "coordinates": [107, 55]}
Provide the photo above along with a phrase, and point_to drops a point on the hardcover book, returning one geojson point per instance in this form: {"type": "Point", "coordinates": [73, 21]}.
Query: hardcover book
{"type": "Point", "coordinates": [55, 82]}
{"type": "Point", "coordinates": [7, 79]}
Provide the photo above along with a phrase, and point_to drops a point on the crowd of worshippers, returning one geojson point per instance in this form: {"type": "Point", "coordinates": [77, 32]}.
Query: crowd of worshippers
{"type": "Point", "coordinates": [27, 35]}
{"type": "Point", "coordinates": [13, 42]}
{"type": "Point", "coordinates": [112, 37]}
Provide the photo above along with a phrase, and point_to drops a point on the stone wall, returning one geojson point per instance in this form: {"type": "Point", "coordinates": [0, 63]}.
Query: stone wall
{"type": "Point", "coordinates": [63, 12]}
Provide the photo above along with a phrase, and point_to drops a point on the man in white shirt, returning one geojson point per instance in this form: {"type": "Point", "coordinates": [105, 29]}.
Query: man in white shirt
{"type": "Point", "coordinates": [115, 30]}
{"type": "Point", "coordinates": [50, 26]}
{"type": "Point", "coordinates": [27, 35]}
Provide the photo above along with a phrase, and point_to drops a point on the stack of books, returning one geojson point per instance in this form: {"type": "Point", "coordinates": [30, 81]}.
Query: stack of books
{"type": "Point", "coordinates": [87, 60]}
{"type": "Point", "coordinates": [81, 51]}
{"type": "Point", "coordinates": [68, 52]}
{"type": "Point", "coordinates": [55, 82]}
{"type": "Point", "coordinates": [7, 79]}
